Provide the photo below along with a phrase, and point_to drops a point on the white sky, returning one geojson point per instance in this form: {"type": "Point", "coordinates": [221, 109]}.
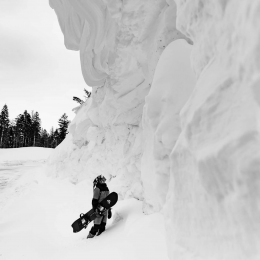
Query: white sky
{"type": "Point", "coordinates": [37, 72]}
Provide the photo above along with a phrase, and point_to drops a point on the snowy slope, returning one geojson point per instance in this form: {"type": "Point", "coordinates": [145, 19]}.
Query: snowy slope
{"type": "Point", "coordinates": [24, 154]}
{"type": "Point", "coordinates": [183, 142]}
{"type": "Point", "coordinates": [36, 218]}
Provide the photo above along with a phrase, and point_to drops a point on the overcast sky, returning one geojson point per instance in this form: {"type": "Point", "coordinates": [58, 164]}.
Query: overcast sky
{"type": "Point", "coordinates": [37, 72]}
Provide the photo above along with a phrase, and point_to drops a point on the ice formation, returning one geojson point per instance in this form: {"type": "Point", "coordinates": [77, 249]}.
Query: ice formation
{"type": "Point", "coordinates": [184, 142]}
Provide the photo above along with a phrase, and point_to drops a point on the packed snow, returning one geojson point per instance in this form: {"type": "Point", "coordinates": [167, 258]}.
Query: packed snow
{"type": "Point", "coordinates": [36, 213]}
{"type": "Point", "coordinates": [173, 120]}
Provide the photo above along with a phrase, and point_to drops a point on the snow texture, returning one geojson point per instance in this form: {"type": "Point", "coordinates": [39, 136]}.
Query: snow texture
{"type": "Point", "coordinates": [174, 115]}
{"type": "Point", "coordinates": [213, 204]}
{"type": "Point", "coordinates": [36, 213]}
{"type": "Point", "coordinates": [120, 44]}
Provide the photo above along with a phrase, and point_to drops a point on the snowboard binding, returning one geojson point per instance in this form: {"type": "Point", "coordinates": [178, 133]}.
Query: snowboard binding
{"type": "Point", "coordinates": [101, 210]}
{"type": "Point", "coordinates": [84, 221]}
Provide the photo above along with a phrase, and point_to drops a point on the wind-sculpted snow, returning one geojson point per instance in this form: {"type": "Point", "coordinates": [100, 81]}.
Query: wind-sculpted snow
{"type": "Point", "coordinates": [213, 201]}
{"type": "Point", "coordinates": [184, 144]}
{"type": "Point", "coordinates": [120, 43]}
{"type": "Point", "coordinates": [85, 27]}
{"type": "Point", "coordinates": [172, 85]}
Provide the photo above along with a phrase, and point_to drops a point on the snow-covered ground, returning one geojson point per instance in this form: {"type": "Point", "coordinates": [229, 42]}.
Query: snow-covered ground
{"type": "Point", "coordinates": [36, 212]}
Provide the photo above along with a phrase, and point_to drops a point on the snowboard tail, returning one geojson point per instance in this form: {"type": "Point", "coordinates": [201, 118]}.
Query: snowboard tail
{"type": "Point", "coordinates": [83, 221]}
{"type": "Point", "coordinates": [103, 206]}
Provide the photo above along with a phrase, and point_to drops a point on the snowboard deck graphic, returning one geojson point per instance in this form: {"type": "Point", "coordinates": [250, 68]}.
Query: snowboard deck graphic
{"type": "Point", "coordinates": [103, 206]}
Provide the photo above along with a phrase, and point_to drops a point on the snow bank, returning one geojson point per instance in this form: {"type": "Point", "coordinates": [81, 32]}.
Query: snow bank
{"type": "Point", "coordinates": [189, 148]}
{"type": "Point", "coordinates": [213, 201]}
{"type": "Point", "coordinates": [119, 44]}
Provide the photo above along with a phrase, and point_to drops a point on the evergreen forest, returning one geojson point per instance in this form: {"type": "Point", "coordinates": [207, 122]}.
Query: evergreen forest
{"type": "Point", "coordinates": [25, 130]}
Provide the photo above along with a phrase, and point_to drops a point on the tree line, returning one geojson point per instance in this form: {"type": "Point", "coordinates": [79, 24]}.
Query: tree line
{"type": "Point", "coordinates": [25, 130]}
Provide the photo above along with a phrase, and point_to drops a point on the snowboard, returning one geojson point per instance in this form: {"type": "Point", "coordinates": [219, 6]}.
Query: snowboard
{"type": "Point", "coordinates": [103, 206]}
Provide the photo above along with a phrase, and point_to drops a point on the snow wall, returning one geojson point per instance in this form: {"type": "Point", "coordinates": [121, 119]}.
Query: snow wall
{"type": "Point", "coordinates": [173, 119]}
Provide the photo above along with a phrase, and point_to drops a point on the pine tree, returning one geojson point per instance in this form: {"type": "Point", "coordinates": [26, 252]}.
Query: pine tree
{"type": "Point", "coordinates": [4, 125]}
{"type": "Point", "coordinates": [11, 135]}
{"type": "Point", "coordinates": [63, 127]}
{"type": "Point", "coordinates": [19, 130]}
{"type": "Point", "coordinates": [51, 138]}
{"type": "Point", "coordinates": [36, 128]}
{"type": "Point", "coordinates": [27, 129]}
{"type": "Point", "coordinates": [44, 138]}
{"type": "Point", "coordinates": [56, 138]}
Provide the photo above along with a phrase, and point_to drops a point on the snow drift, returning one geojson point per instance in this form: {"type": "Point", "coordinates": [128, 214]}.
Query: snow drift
{"type": "Point", "coordinates": [187, 147]}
